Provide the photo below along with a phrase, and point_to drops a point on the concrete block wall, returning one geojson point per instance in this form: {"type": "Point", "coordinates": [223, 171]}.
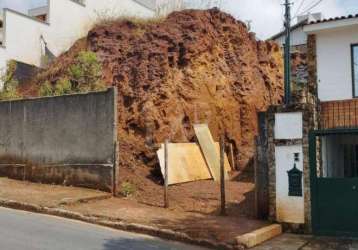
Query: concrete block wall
{"type": "Point", "coordinates": [67, 140]}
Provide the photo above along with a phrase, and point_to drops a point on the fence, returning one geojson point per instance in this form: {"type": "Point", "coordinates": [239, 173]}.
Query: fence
{"type": "Point", "coordinates": [339, 114]}
{"type": "Point", "coordinates": [65, 140]}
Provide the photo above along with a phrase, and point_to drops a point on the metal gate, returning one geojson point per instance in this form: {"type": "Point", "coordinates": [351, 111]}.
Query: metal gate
{"type": "Point", "coordinates": [334, 181]}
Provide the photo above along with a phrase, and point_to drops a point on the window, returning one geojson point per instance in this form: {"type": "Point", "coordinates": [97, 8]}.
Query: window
{"type": "Point", "coordinates": [355, 68]}
{"type": "Point", "coordinates": [339, 156]}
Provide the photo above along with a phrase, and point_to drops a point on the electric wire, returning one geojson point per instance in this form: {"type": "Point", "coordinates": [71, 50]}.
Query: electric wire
{"type": "Point", "coordinates": [299, 8]}
{"type": "Point", "coordinates": [312, 6]}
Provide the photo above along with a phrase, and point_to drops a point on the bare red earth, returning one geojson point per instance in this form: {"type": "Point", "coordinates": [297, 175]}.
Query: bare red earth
{"type": "Point", "coordinates": [192, 67]}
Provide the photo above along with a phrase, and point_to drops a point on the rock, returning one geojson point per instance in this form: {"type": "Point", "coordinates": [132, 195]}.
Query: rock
{"type": "Point", "coordinates": [195, 66]}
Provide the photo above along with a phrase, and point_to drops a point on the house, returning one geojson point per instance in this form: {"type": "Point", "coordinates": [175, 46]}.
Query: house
{"type": "Point", "coordinates": [334, 45]}
{"type": "Point", "coordinates": [55, 27]}
{"type": "Point", "coordinates": [40, 13]}
{"type": "Point", "coordinates": [336, 55]}
{"type": "Point", "coordinates": [317, 140]}
{"type": "Point", "coordinates": [298, 36]}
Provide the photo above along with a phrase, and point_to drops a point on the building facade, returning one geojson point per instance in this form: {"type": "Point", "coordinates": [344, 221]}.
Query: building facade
{"type": "Point", "coordinates": [298, 35]}
{"type": "Point", "coordinates": [318, 136]}
{"type": "Point", "coordinates": [56, 26]}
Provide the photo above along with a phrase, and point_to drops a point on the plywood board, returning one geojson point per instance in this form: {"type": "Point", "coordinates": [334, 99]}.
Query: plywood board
{"type": "Point", "coordinates": [209, 149]}
{"type": "Point", "coordinates": [186, 163]}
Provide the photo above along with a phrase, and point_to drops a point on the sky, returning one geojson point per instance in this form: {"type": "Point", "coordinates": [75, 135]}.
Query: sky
{"type": "Point", "coordinates": [266, 16]}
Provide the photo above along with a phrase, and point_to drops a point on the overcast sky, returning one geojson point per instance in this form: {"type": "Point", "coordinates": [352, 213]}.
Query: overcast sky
{"type": "Point", "coordinates": [266, 15]}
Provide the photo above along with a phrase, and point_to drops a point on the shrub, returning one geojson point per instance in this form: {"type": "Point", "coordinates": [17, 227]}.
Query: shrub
{"type": "Point", "coordinates": [83, 75]}
{"type": "Point", "coordinates": [127, 189]}
{"type": "Point", "coordinates": [46, 89]}
{"type": "Point", "coordinates": [63, 87]}
{"type": "Point", "coordinates": [86, 72]}
{"type": "Point", "coordinates": [10, 84]}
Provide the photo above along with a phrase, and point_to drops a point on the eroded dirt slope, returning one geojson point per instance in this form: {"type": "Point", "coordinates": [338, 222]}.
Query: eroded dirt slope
{"type": "Point", "coordinates": [194, 66]}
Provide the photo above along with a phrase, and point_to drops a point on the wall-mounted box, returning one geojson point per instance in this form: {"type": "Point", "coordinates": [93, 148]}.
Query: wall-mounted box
{"type": "Point", "coordinates": [288, 125]}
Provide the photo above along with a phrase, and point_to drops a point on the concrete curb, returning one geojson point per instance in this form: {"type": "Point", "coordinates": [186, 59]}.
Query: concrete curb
{"type": "Point", "coordinates": [86, 200]}
{"type": "Point", "coordinates": [259, 236]}
{"type": "Point", "coordinates": [120, 225]}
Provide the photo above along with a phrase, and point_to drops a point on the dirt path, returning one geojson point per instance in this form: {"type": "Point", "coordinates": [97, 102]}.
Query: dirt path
{"type": "Point", "coordinates": [221, 229]}
{"type": "Point", "coordinates": [198, 225]}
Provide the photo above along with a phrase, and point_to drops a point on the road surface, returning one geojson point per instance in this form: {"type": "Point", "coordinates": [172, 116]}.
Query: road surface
{"type": "Point", "coordinates": [28, 231]}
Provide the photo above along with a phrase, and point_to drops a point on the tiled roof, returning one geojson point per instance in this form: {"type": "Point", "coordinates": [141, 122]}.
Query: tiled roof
{"type": "Point", "coordinates": [334, 19]}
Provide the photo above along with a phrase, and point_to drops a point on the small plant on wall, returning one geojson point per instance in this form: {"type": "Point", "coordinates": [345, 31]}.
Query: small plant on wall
{"type": "Point", "coordinates": [83, 75]}
{"type": "Point", "coordinates": [10, 84]}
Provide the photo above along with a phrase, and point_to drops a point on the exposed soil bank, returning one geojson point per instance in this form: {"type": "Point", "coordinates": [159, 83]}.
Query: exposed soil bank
{"type": "Point", "coordinates": [192, 67]}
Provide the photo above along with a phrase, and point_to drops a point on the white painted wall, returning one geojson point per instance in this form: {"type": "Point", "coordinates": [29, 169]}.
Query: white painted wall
{"type": "Point", "coordinates": [22, 37]}
{"type": "Point", "coordinates": [67, 22]}
{"type": "Point", "coordinates": [334, 69]}
{"type": "Point", "coordinates": [78, 20]}
{"type": "Point", "coordinates": [298, 37]}
{"type": "Point", "coordinates": [3, 54]}
{"type": "Point", "coordinates": [289, 209]}
{"type": "Point", "coordinates": [288, 125]}
{"type": "Point", "coordinates": [43, 10]}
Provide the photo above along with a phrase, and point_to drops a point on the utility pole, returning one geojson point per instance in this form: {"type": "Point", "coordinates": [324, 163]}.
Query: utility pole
{"type": "Point", "coordinates": [287, 52]}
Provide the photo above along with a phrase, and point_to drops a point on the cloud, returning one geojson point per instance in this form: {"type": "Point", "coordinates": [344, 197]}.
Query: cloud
{"type": "Point", "coordinates": [267, 15]}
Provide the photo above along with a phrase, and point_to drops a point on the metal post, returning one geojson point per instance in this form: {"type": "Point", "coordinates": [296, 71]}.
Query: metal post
{"type": "Point", "coordinates": [287, 52]}
{"type": "Point", "coordinates": [115, 171]}
{"type": "Point", "coordinates": [166, 199]}
{"type": "Point", "coordinates": [222, 176]}
{"type": "Point", "coordinates": [232, 158]}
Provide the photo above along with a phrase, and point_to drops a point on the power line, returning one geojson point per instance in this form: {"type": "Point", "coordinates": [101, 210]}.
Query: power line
{"type": "Point", "coordinates": [313, 6]}
{"type": "Point", "coordinates": [308, 4]}
{"type": "Point", "coordinates": [299, 8]}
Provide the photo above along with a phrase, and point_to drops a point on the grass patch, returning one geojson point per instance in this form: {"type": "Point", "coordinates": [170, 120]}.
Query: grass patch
{"type": "Point", "coordinates": [128, 189]}
{"type": "Point", "coordinates": [83, 75]}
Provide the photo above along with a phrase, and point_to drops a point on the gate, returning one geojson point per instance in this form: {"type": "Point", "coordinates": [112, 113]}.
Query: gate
{"type": "Point", "coordinates": [334, 181]}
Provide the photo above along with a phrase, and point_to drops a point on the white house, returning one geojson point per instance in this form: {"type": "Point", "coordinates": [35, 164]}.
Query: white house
{"type": "Point", "coordinates": [298, 35]}
{"type": "Point", "coordinates": [323, 131]}
{"type": "Point", "coordinates": [58, 25]}
{"type": "Point", "coordinates": [337, 57]}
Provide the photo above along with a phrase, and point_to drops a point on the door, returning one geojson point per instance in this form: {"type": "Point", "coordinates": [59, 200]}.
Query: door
{"type": "Point", "coordinates": [334, 183]}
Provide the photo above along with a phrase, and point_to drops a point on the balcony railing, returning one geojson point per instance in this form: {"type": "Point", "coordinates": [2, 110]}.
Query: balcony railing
{"type": "Point", "coordinates": [339, 114]}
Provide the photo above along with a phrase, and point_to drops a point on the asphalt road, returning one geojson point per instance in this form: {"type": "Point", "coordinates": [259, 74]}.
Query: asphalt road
{"type": "Point", "coordinates": [28, 231]}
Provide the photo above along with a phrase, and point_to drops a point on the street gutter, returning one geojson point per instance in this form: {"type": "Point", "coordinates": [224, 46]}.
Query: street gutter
{"type": "Point", "coordinates": [120, 225]}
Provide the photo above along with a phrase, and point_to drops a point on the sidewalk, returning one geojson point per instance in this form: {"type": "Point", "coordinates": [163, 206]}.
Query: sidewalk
{"type": "Point", "coordinates": [96, 207]}
{"type": "Point", "coordinates": [46, 195]}
{"type": "Point", "coordinates": [308, 242]}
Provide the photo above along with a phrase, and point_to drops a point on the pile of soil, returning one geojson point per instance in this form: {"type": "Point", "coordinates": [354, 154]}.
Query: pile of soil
{"type": "Point", "coordinates": [195, 66]}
